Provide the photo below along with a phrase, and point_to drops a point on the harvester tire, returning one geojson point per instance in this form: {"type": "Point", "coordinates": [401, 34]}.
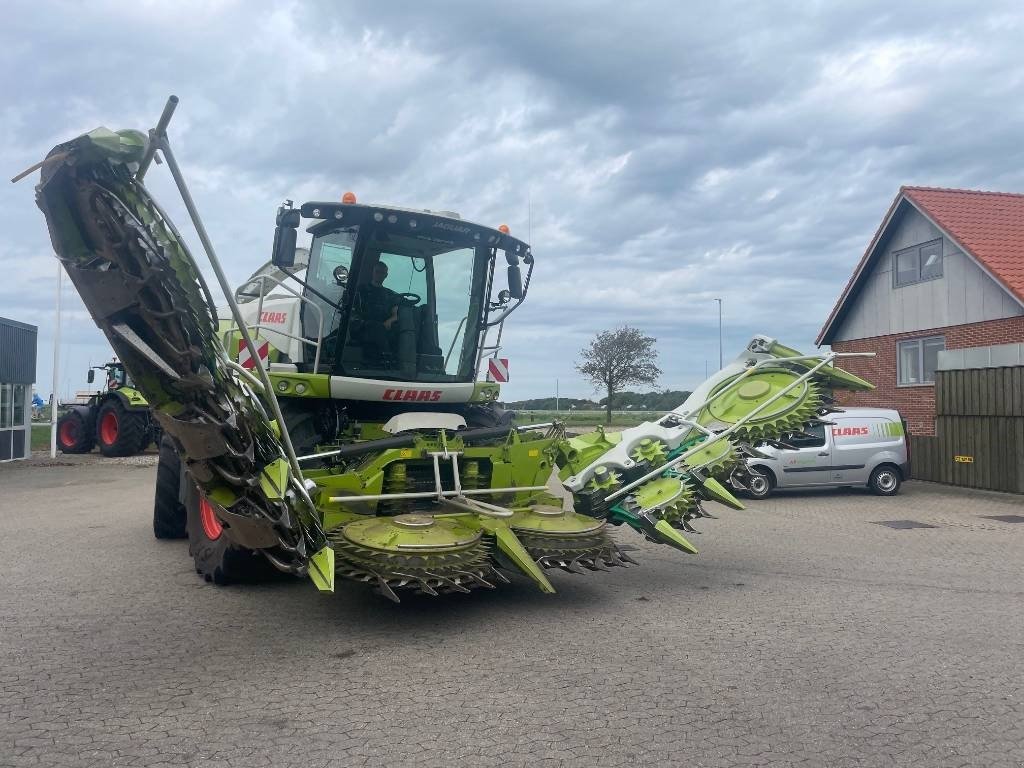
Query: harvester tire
{"type": "Point", "coordinates": [73, 434]}
{"type": "Point", "coordinates": [168, 512]}
{"type": "Point", "coordinates": [120, 432]}
{"type": "Point", "coordinates": [217, 558]}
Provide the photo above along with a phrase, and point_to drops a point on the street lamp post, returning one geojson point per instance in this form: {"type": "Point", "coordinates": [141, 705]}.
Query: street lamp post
{"type": "Point", "coordinates": [56, 364]}
{"type": "Point", "coordinates": [719, 333]}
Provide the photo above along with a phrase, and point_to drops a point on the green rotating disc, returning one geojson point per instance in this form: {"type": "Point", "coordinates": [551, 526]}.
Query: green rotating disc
{"type": "Point", "coordinates": [566, 540]}
{"type": "Point", "coordinates": [418, 552]}
{"type": "Point", "coordinates": [781, 411]}
{"type": "Point", "coordinates": [713, 457]}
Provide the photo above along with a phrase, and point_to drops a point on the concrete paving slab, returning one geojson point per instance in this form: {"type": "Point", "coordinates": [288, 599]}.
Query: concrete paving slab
{"type": "Point", "coordinates": [804, 634]}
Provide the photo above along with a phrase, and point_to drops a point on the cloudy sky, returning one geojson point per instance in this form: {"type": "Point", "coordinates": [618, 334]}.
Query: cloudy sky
{"type": "Point", "coordinates": [670, 152]}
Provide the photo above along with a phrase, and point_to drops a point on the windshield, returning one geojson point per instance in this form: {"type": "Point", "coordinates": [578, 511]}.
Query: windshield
{"type": "Point", "coordinates": [397, 305]}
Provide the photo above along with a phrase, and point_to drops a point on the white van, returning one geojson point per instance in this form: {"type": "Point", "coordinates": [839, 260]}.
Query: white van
{"type": "Point", "coordinates": [861, 446]}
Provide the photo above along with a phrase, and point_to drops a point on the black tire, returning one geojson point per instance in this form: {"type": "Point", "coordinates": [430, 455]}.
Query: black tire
{"type": "Point", "coordinates": [760, 483]}
{"type": "Point", "coordinates": [219, 559]}
{"type": "Point", "coordinates": [74, 434]}
{"type": "Point", "coordinates": [885, 480]}
{"type": "Point", "coordinates": [169, 516]}
{"type": "Point", "coordinates": [120, 432]}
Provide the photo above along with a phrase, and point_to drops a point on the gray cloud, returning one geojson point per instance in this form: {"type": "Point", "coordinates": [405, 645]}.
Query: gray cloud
{"type": "Point", "coordinates": [671, 153]}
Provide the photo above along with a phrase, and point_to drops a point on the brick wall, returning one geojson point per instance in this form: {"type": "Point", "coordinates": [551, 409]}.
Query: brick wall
{"type": "Point", "coordinates": [917, 404]}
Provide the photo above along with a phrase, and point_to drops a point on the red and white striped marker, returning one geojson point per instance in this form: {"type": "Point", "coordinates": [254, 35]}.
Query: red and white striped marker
{"type": "Point", "coordinates": [497, 369]}
{"type": "Point", "coordinates": [245, 359]}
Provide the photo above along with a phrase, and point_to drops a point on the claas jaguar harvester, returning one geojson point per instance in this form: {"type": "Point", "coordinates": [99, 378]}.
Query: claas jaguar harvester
{"type": "Point", "coordinates": [330, 421]}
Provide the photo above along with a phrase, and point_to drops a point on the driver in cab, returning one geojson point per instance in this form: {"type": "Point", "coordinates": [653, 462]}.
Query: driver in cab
{"type": "Point", "coordinates": [376, 306]}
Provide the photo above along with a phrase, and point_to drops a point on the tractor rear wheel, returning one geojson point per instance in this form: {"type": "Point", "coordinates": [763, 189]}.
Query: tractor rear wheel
{"type": "Point", "coordinates": [73, 434]}
{"type": "Point", "coordinates": [168, 511]}
{"type": "Point", "coordinates": [217, 558]}
{"type": "Point", "coordinates": [120, 432]}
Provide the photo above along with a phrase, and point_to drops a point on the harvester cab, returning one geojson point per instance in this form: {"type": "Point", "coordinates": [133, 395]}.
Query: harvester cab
{"type": "Point", "coordinates": [395, 303]}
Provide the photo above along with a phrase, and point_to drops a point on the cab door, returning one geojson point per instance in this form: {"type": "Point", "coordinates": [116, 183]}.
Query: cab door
{"type": "Point", "coordinates": [811, 462]}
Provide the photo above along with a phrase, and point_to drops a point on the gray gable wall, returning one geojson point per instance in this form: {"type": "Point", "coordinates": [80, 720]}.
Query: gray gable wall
{"type": "Point", "coordinates": [964, 293]}
{"type": "Point", "coordinates": [17, 352]}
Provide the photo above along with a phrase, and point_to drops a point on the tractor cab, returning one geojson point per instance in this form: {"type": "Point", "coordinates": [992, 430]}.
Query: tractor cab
{"type": "Point", "coordinates": [398, 294]}
{"type": "Point", "coordinates": [116, 375]}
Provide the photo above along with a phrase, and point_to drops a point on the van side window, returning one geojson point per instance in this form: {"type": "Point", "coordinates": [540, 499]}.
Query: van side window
{"type": "Point", "coordinates": [812, 437]}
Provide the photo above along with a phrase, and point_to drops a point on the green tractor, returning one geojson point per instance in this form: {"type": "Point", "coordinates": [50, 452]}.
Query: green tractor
{"type": "Point", "coordinates": [330, 423]}
{"type": "Point", "coordinates": [117, 418]}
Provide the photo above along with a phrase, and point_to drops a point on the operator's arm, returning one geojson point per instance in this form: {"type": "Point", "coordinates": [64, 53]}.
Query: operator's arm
{"type": "Point", "coordinates": [392, 297]}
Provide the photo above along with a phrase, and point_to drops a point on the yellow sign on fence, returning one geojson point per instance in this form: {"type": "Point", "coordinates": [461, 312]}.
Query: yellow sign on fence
{"type": "Point", "coordinates": [963, 459]}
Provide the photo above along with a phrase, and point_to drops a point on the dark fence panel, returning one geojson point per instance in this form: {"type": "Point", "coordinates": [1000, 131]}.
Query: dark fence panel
{"type": "Point", "coordinates": [980, 392]}
{"type": "Point", "coordinates": [979, 440]}
{"type": "Point", "coordinates": [925, 463]}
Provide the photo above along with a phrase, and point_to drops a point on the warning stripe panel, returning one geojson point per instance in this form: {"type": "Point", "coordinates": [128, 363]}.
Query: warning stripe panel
{"type": "Point", "coordinates": [497, 369]}
{"type": "Point", "coordinates": [245, 359]}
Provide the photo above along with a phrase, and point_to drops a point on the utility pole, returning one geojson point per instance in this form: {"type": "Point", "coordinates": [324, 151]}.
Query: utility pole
{"type": "Point", "coordinates": [556, 395]}
{"type": "Point", "coordinates": [720, 364]}
{"type": "Point", "coordinates": [56, 362]}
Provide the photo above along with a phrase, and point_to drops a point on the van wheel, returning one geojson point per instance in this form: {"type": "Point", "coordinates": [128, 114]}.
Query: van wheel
{"type": "Point", "coordinates": [885, 481]}
{"type": "Point", "coordinates": [760, 483]}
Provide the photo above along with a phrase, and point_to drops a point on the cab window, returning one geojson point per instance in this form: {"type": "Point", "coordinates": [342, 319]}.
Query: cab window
{"type": "Point", "coordinates": [811, 437]}
{"type": "Point", "coordinates": [329, 259]}
{"type": "Point", "coordinates": [407, 276]}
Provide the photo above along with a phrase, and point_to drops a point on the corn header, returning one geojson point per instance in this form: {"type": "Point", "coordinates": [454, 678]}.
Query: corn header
{"type": "Point", "coordinates": [329, 421]}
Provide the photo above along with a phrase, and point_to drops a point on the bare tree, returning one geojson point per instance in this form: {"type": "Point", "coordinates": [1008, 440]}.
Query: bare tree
{"type": "Point", "coordinates": [617, 358]}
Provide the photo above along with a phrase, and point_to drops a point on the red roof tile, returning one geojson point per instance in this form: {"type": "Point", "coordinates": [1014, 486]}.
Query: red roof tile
{"type": "Point", "coordinates": [989, 225]}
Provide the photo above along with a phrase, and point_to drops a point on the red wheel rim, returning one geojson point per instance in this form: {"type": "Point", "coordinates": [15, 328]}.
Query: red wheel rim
{"type": "Point", "coordinates": [108, 428]}
{"type": "Point", "coordinates": [68, 433]}
{"type": "Point", "coordinates": [211, 525]}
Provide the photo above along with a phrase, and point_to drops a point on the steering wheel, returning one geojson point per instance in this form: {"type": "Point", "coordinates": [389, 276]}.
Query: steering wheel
{"type": "Point", "coordinates": [410, 299]}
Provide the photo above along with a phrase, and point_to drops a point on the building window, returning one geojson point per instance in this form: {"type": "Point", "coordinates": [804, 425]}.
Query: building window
{"type": "Point", "coordinates": [6, 409]}
{"type": "Point", "coordinates": [917, 264]}
{"type": "Point", "coordinates": [18, 406]}
{"type": "Point", "coordinates": [917, 359]}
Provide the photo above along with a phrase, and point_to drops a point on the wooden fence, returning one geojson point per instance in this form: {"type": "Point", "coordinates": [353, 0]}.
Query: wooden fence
{"type": "Point", "coordinates": [979, 440]}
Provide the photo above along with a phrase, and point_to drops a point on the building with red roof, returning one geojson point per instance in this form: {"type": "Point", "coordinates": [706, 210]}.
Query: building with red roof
{"type": "Point", "coordinates": [944, 271]}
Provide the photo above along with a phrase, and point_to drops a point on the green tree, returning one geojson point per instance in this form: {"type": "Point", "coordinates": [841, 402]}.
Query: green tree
{"type": "Point", "coordinates": [615, 359]}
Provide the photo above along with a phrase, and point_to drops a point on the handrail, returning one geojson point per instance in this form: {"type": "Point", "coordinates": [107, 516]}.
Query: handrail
{"type": "Point", "coordinates": [259, 325]}
{"type": "Point", "coordinates": [455, 338]}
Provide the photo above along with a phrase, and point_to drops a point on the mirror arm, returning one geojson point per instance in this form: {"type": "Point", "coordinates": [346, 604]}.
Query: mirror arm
{"type": "Point", "coordinates": [514, 307]}
{"type": "Point", "coordinates": [506, 313]}
{"type": "Point", "coordinates": [526, 282]}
